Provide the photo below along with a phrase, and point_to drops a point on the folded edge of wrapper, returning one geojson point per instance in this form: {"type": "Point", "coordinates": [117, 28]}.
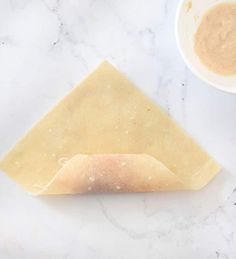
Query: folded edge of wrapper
{"type": "Point", "coordinates": [122, 173]}
{"type": "Point", "coordinates": [116, 172]}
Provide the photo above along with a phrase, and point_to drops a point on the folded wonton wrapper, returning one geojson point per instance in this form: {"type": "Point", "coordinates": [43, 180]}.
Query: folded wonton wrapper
{"type": "Point", "coordinates": [106, 135]}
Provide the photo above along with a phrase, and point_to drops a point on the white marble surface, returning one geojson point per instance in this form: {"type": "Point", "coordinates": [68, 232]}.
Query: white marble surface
{"type": "Point", "coordinates": [46, 47]}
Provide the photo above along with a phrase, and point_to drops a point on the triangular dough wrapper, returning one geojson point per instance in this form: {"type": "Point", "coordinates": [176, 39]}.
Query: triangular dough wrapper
{"type": "Point", "coordinates": [106, 135]}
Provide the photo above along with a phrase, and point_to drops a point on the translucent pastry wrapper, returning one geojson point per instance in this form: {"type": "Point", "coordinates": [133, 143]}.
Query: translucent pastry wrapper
{"type": "Point", "coordinates": [107, 136]}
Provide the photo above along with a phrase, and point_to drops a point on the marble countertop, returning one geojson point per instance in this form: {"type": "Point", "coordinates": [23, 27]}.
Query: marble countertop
{"type": "Point", "coordinates": [48, 46]}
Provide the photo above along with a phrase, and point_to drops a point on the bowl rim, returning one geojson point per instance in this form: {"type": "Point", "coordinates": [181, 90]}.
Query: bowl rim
{"type": "Point", "coordinates": [186, 60]}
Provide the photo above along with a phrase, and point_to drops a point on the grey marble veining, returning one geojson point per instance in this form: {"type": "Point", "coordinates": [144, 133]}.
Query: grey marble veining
{"type": "Point", "coordinates": [48, 46]}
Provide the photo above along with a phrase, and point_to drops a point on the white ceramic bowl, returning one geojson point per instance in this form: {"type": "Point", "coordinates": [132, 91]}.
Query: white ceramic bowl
{"type": "Point", "coordinates": [187, 21]}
